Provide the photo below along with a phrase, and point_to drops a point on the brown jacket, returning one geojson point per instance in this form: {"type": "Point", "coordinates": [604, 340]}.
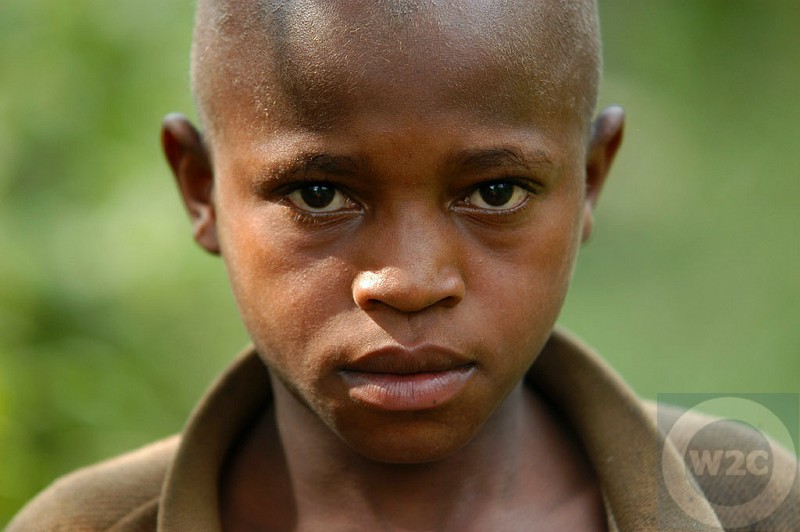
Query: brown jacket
{"type": "Point", "coordinates": [172, 484]}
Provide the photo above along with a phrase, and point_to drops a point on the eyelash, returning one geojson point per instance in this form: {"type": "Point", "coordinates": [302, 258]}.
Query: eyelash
{"type": "Point", "coordinates": [305, 217]}
{"type": "Point", "coordinates": [527, 185]}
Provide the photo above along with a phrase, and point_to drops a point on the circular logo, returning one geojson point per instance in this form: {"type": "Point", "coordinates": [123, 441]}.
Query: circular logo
{"type": "Point", "coordinates": [753, 491]}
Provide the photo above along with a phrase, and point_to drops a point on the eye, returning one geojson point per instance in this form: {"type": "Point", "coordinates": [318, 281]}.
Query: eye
{"type": "Point", "coordinates": [318, 197]}
{"type": "Point", "coordinates": [497, 196]}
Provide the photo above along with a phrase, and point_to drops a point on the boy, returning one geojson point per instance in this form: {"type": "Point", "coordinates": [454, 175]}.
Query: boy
{"type": "Point", "coordinates": [398, 190]}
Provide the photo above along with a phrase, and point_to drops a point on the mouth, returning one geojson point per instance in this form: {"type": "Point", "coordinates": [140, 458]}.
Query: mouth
{"type": "Point", "coordinates": [401, 379]}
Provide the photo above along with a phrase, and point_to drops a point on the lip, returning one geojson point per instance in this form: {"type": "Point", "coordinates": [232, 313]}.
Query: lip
{"type": "Point", "coordinates": [404, 379]}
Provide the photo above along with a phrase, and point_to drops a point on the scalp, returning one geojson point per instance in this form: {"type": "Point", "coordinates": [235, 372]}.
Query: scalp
{"type": "Point", "coordinates": [311, 57]}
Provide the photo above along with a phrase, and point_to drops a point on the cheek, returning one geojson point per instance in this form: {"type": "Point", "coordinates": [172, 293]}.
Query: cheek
{"type": "Point", "coordinates": [521, 287]}
{"type": "Point", "coordinates": [288, 298]}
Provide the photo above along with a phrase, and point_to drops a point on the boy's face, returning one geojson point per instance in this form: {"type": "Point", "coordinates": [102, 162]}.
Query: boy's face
{"type": "Point", "coordinates": [400, 265]}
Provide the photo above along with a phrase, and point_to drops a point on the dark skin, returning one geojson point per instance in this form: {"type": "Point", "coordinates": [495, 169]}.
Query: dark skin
{"type": "Point", "coordinates": [418, 222]}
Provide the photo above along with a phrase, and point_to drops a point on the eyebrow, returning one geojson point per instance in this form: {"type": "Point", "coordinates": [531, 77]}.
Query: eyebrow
{"type": "Point", "coordinates": [304, 164]}
{"type": "Point", "coordinates": [471, 160]}
{"type": "Point", "coordinates": [502, 157]}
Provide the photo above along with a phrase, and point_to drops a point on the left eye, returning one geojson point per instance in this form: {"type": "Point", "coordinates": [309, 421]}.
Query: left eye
{"type": "Point", "coordinates": [318, 198]}
{"type": "Point", "coordinates": [501, 195]}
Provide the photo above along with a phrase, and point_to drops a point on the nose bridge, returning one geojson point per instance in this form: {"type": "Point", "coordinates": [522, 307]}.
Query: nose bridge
{"type": "Point", "coordinates": [419, 238]}
{"type": "Point", "coordinates": [413, 261]}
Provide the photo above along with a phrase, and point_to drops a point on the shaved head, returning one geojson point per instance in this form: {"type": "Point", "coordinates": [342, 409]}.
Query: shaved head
{"type": "Point", "coordinates": [306, 61]}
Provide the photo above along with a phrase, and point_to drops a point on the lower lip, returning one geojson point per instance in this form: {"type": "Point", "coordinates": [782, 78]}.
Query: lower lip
{"type": "Point", "coordinates": [398, 392]}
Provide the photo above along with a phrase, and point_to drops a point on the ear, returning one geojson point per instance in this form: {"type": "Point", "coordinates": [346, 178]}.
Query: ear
{"type": "Point", "coordinates": [603, 146]}
{"type": "Point", "coordinates": [191, 166]}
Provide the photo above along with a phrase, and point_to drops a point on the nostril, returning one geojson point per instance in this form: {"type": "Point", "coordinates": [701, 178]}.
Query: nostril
{"type": "Point", "coordinates": [449, 302]}
{"type": "Point", "coordinates": [366, 288]}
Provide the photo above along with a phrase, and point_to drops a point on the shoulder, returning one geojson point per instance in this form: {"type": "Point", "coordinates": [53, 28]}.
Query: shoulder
{"type": "Point", "coordinates": [119, 491]}
{"type": "Point", "coordinates": [748, 478]}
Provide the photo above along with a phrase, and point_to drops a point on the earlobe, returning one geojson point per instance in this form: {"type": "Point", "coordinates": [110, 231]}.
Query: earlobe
{"type": "Point", "coordinates": [606, 139]}
{"type": "Point", "coordinates": [187, 156]}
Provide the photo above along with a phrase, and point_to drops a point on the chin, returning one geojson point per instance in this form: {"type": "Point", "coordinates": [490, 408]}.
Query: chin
{"type": "Point", "coordinates": [408, 443]}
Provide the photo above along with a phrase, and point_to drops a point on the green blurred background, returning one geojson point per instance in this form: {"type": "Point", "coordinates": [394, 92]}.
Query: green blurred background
{"type": "Point", "coordinates": [112, 321]}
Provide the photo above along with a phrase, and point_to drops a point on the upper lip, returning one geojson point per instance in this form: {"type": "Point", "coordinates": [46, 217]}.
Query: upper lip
{"type": "Point", "coordinates": [401, 360]}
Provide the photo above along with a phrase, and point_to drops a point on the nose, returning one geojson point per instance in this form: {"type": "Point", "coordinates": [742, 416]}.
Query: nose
{"type": "Point", "coordinates": [407, 291]}
{"type": "Point", "coordinates": [415, 267]}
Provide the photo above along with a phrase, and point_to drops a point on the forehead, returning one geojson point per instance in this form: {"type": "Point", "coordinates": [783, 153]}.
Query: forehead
{"type": "Point", "coordinates": [314, 64]}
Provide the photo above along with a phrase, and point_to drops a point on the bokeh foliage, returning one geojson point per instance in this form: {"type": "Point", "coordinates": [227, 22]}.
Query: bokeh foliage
{"type": "Point", "coordinates": [112, 322]}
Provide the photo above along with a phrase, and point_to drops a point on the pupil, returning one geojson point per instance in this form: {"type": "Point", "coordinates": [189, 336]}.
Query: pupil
{"type": "Point", "coordinates": [497, 194]}
{"type": "Point", "coordinates": [318, 196]}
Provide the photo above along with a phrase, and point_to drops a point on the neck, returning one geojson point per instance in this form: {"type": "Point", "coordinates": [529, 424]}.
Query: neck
{"type": "Point", "coordinates": [319, 482]}
{"type": "Point", "coordinates": [434, 490]}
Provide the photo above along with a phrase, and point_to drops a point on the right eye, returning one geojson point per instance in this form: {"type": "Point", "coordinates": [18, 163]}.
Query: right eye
{"type": "Point", "coordinates": [318, 198]}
